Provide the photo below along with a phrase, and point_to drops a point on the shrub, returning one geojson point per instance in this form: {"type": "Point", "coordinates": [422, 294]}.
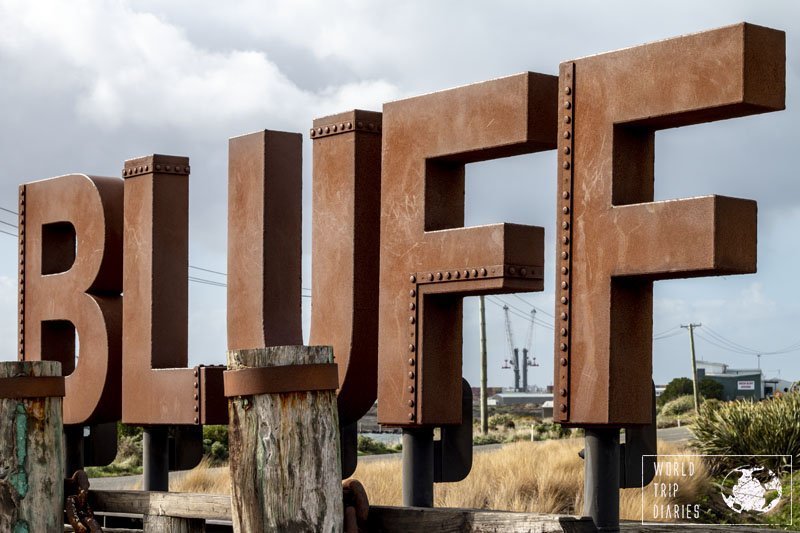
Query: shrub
{"type": "Point", "coordinates": [491, 438]}
{"type": "Point", "coordinates": [368, 446]}
{"type": "Point", "coordinates": [501, 420]}
{"type": "Point", "coordinates": [674, 389]}
{"type": "Point", "coordinates": [678, 406]}
{"type": "Point", "coordinates": [711, 389]}
{"type": "Point", "coordinates": [771, 427]}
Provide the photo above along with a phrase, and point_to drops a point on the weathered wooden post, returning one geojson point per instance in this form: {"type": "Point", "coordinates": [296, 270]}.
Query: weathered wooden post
{"type": "Point", "coordinates": [31, 451]}
{"type": "Point", "coordinates": [284, 439]}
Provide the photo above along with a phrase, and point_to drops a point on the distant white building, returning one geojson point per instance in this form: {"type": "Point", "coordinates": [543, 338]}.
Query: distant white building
{"type": "Point", "coordinates": [520, 398]}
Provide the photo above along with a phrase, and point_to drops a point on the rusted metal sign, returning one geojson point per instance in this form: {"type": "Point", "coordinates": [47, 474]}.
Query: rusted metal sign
{"type": "Point", "coordinates": [156, 386]}
{"type": "Point", "coordinates": [613, 240]}
{"type": "Point", "coordinates": [64, 288]}
{"type": "Point", "coordinates": [428, 260]}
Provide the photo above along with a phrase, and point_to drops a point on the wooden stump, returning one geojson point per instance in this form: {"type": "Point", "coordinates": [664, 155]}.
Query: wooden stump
{"type": "Point", "coordinates": [31, 456]}
{"type": "Point", "coordinates": [284, 451]}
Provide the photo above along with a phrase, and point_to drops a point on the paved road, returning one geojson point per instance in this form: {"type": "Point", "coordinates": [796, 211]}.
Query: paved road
{"type": "Point", "coordinates": [681, 434]}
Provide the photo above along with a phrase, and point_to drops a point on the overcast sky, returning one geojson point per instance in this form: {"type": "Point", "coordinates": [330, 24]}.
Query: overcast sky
{"type": "Point", "coordinates": [86, 84]}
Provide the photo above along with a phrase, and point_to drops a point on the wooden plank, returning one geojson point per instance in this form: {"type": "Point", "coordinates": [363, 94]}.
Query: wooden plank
{"type": "Point", "coordinates": [171, 524]}
{"type": "Point", "coordinates": [180, 505]}
{"type": "Point", "coordinates": [284, 450]}
{"type": "Point", "coordinates": [31, 451]}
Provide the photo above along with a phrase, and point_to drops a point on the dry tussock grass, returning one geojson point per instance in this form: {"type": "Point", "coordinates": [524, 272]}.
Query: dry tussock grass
{"type": "Point", "coordinates": [537, 477]}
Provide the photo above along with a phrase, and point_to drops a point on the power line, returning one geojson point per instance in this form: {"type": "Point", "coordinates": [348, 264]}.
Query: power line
{"type": "Point", "coordinates": [9, 233]}
{"type": "Point", "coordinates": [208, 270]}
{"type": "Point", "coordinates": [9, 211]}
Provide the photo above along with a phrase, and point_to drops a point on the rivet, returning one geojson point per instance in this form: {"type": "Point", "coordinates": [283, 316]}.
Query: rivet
{"type": "Point", "coordinates": [196, 420]}
{"type": "Point", "coordinates": [411, 375]}
{"type": "Point", "coordinates": [167, 168]}
{"type": "Point", "coordinates": [564, 300]}
{"type": "Point", "coordinates": [567, 90]}
{"type": "Point", "coordinates": [335, 128]}
{"type": "Point", "coordinates": [327, 129]}
{"type": "Point", "coordinates": [466, 273]}
{"type": "Point", "coordinates": [567, 105]}
{"type": "Point", "coordinates": [563, 392]}
{"type": "Point", "coordinates": [371, 126]}
{"type": "Point", "coordinates": [186, 169]}
{"type": "Point", "coordinates": [411, 347]}
{"type": "Point", "coordinates": [567, 135]}
{"type": "Point", "coordinates": [566, 165]}
{"type": "Point", "coordinates": [412, 279]}
{"type": "Point", "coordinates": [563, 361]}
{"type": "Point", "coordinates": [512, 271]}
{"type": "Point", "coordinates": [563, 408]}
{"type": "Point", "coordinates": [567, 119]}
{"type": "Point", "coordinates": [447, 275]}
{"type": "Point", "coordinates": [565, 240]}
{"type": "Point", "coordinates": [412, 306]}
{"type": "Point", "coordinates": [564, 316]}
{"type": "Point", "coordinates": [430, 276]}
{"type": "Point", "coordinates": [319, 130]}
{"type": "Point", "coordinates": [564, 255]}
{"type": "Point", "coordinates": [565, 225]}
{"type": "Point", "coordinates": [523, 271]}
{"type": "Point", "coordinates": [564, 270]}
{"type": "Point", "coordinates": [124, 172]}
{"type": "Point", "coordinates": [313, 132]}
{"type": "Point", "coordinates": [195, 396]}
{"type": "Point", "coordinates": [565, 195]}
{"type": "Point", "coordinates": [349, 125]}
{"type": "Point", "coordinates": [194, 373]}
{"type": "Point", "coordinates": [563, 332]}
{"type": "Point", "coordinates": [411, 388]}
{"type": "Point", "coordinates": [412, 293]}
{"type": "Point", "coordinates": [439, 276]}
{"type": "Point", "coordinates": [412, 320]}
{"type": "Point", "coordinates": [565, 210]}
{"type": "Point", "coordinates": [411, 403]}
{"type": "Point", "coordinates": [457, 274]}
{"type": "Point", "coordinates": [147, 168]}
{"type": "Point", "coordinates": [411, 416]}
{"type": "Point", "coordinates": [158, 167]}
{"type": "Point", "coordinates": [483, 272]}
{"type": "Point", "coordinates": [563, 347]}
{"type": "Point", "coordinates": [567, 150]}
{"type": "Point", "coordinates": [195, 408]}
{"type": "Point", "coordinates": [359, 124]}
{"type": "Point", "coordinates": [564, 284]}
{"type": "Point", "coordinates": [474, 273]}
{"type": "Point", "coordinates": [411, 361]}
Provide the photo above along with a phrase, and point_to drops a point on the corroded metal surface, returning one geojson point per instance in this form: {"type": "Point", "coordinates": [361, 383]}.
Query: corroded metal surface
{"type": "Point", "coordinates": [281, 379]}
{"type": "Point", "coordinates": [429, 261]}
{"type": "Point", "coordinates": [156, 386]}
{"type": "Point", "coordinates": [613, 240]}
{"type": "Point", "coordinates": [345, 240]}
{"type": "Point", "coordinates": [70, 281]}
{"type": "Point", "coordinates": [264, 240]}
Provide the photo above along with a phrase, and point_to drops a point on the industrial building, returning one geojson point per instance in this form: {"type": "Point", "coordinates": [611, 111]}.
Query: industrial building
{"type": "Point", "coordinates": [739, 383]}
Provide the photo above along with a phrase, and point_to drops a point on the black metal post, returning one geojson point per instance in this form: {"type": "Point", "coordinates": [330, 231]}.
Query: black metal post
{"type": "Point", "coordinates": [73, 449]}
{"type": "Point", "coordinates": [601, 478]}
{"type": "Point", "coordinates": [155, 458]}
{"type": "Point", "coordinates": [418, 467]}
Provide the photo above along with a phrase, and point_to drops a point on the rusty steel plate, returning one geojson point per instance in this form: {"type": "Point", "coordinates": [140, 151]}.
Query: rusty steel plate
{"type": "Point", "coordinates": [70, 281]}
{"type": "Point", "coordinates": [428, 260]}
{"type": "Point", "coordinates": [613, 239]}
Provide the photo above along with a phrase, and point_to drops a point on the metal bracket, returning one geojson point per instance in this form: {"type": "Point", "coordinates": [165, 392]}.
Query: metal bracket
{"type": "Point", "coordinates": [452, 455]}
{"type": "Point", "coordinates": [348, 436]}
{"type": "Point", "coordinates": [564, 259]}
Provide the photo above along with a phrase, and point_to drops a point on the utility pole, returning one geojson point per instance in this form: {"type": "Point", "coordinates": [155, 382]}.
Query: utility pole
{"type": "Point", "coordinates": [484, 407]}
{"type": "Point", "coordinates": [691, 327]}
{"type": "Point", "coordinates": [515, 365]}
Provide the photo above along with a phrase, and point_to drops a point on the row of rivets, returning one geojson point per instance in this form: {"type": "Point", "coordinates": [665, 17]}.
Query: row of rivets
{"type": "Point", "coordinates": [344, 127]}
{"type": "Point", "coordinates": [412, 349]}
{"type": "Point", "coordinates": [173, 169]}
{"type": "Point", "coordinates": [478, 272]}
{"type": "Point", "coordinates": [21, 230]}
{"type": "Point", "coordinates": [565, 199]}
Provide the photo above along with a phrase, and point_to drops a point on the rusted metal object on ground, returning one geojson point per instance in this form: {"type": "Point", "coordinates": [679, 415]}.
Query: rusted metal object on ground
{"type": "Point", "coordinates": [429, 261]}
{"type": "Point", "coordinates": [613, 240]}
{"type": "Point", "coordinates": [76, 506]}
{"type": "Point", "coordinates": [264, 240]}
{"type": "Point", "coordinates": [157, 387]}
{"type": "Point", "coordinates": [70, 280]}
{"type": "Point", "coordinates": [345, 240]}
